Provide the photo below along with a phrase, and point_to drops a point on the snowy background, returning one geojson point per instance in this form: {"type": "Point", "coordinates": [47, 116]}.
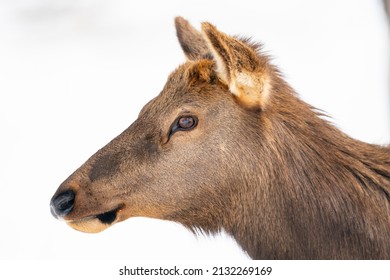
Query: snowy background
{"type": "Point", "coordinates": [75, 73]}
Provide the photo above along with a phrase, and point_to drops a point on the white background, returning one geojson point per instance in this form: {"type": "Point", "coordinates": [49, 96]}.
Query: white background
{"type": "Point", "coordinates": [75, 73]}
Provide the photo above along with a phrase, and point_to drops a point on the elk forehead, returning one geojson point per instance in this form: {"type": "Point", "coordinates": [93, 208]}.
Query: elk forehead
{"type": "Point", "coordinates": [187, 77]}
{"type": "Point", "coordinates": [187, 80]}
{"type": "Point", "coordinates": [192, 85]}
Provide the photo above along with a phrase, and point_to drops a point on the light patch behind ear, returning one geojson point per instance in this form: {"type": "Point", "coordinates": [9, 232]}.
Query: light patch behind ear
{"type": "Point", "coordinates": [238, 65]}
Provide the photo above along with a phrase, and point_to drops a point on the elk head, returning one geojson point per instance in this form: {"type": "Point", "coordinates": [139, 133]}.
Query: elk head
{"type": "Point", "coordinates": [191, 154]}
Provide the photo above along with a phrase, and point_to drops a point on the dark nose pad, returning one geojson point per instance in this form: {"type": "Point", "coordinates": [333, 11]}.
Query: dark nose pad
{"type": "Point", "coordinates": [62, 203]}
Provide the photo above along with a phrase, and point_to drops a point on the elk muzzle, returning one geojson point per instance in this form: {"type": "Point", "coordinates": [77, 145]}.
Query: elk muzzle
{"type": "Point", "coordinates": [62, 205]}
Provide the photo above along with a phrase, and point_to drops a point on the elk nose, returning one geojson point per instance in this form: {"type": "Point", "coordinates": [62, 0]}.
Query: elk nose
{"type": "Point", "coordinates": [62, 203]}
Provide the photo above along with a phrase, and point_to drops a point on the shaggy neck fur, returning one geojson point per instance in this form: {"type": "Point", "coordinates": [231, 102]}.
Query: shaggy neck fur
{"type": "Point", "coordinates": [319, 194]}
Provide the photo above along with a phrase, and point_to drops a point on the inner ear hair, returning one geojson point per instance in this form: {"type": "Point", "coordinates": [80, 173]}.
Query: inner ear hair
{"type": "Point", "coordinates": [245, 72]}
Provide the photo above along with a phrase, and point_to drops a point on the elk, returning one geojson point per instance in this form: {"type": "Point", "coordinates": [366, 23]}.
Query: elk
{"type": "Point", "coordinates": [228, 145]}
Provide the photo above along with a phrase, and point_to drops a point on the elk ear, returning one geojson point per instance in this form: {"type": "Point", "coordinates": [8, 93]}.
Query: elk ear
{"type": "Point", "coordinates": [239, 66]}
{"type": "Point", "coordinates": [191, 40]}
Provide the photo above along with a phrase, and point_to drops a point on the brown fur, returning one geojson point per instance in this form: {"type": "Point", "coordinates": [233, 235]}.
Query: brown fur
{"type": "Point", "coordinates": [261, 163]}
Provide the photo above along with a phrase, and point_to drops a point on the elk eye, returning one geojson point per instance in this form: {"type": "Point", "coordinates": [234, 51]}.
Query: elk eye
{"type": "Point", "coordinates": [186, 123]}
{"type": "Point", "coordinates": [183, 123]}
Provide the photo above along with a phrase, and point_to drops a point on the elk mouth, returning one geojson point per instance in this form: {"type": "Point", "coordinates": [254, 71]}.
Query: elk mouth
{"type": "Point", "coordinates": [95, 223]}
{"type": "Point", "coordinates": [107, 217]}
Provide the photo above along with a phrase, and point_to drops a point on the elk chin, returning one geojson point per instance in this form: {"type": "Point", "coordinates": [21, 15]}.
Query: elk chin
{"type": "Point", "coordinates": [94, 224]}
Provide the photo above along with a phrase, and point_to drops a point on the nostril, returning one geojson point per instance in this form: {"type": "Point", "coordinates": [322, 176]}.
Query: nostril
{"type": "Point", "coordinates": [62, 204]}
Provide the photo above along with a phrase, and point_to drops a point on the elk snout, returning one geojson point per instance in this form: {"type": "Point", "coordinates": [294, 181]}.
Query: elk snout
{"type": "Point", "coordinates": [62, 203]}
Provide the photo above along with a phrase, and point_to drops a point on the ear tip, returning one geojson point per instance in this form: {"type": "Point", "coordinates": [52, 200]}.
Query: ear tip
{"type": "Point", "coordinates": [180, 22]}
{"type": "Point", "coordinates": [207, 26]}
